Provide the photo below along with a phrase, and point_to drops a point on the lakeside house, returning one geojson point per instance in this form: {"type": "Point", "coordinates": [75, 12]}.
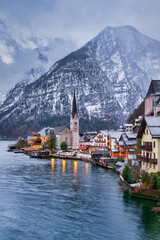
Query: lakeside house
{"type": "Point", "coordinates": [128, 127]}
{"type": "Point", "coordinates": [127, 147]}
{"type": "Point", "coordinates": [123, 144]}
{"type": "Point", "coordinates": [149, 133]}
{"type": "Point", "coordinates": [114, 138]}
{"type": "Point", "coordinates": [100, 139]}
{"type": "Point", "coordinates": [86, 141]}
{"type": "Point", "coordinates": [44, 134]}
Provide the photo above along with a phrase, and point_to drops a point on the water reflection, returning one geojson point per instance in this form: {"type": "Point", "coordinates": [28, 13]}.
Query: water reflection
{"type": "Point", "coordinates": [86, 168]}
{"type": "Point", "coordinates": [52, 164]}
{"type": "Point", "coordinates": [63, 167]}
{"type": "Point", "coordinates": [75, 171]}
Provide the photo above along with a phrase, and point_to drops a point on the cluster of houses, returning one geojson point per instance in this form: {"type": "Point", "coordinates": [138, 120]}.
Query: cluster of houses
{"type": "Point", "coordinates": [121, 143]}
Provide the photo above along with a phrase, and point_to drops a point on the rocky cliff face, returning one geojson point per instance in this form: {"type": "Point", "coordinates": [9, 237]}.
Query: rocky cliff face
{"type": "Point", "coordinates": [110, 74]}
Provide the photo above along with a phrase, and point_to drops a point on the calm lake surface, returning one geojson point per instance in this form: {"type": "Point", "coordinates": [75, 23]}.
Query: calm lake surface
{"type": "Point", "coordinates": [58, 199]}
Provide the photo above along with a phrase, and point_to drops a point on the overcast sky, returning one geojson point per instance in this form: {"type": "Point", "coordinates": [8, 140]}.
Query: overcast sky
{"type": "Point", "coordinates": [27, 24]}
{"type": "Point", "coordinates": [77, 19]}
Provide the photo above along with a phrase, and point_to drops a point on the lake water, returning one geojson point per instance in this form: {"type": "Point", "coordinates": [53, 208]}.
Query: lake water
{"type": "Point", "coordinates": [65, 199]}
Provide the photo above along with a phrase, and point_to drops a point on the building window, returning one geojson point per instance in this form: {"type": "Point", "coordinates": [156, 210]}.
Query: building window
{"type": "Point", "coordinates": [154, 155]}
{"type": "Point", "coordinates": [154, 165]}
{"type": "Point", "coordinates": [146, 164]}
{"type": "Point", "coordinates": [150, 164]}
{"type": "Point", "coordinates": [154, 144]}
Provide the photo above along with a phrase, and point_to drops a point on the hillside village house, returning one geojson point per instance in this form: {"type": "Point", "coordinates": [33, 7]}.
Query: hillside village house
{"type": "Point", "coordinates": [149, 133]}
{"type": "Point", "coordinates": [35, 141]}
{"type": "Point", "coordinates": [114, 137]}
{"type": "Point", "coordinates": [101, 139]}
{"type": "Point", "coordinates": [128, 127]}
{"type": "Point", "coordinates": [86, 141]}
{"type": "Point", "coordinates": [123, 144]}
{"type": "Point", "coordinates": [127, 147]}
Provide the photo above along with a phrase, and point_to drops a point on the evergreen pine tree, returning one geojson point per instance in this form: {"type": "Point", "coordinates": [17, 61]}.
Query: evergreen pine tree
{"type": "Point", "coordinates": [52, 141]}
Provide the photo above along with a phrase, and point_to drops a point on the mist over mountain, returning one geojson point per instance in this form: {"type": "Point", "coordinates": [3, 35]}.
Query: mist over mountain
{"type": "Point", "coordinates": [110, 74]}
{"type": "Point", "coordinates": [27, 60]}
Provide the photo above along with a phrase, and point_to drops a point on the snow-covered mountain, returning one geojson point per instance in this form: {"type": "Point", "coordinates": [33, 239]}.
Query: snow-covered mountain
{"type": "Point", "coordinates": [3, 96]}
{"type": "Point", "coordinates": [110, 74]}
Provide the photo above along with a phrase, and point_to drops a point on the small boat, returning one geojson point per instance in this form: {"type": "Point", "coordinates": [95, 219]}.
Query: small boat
{"type": "Point", "coordinates": [18, 151]}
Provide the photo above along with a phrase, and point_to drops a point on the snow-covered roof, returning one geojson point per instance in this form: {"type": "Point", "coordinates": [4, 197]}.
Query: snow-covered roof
{"type": "Point", "coordinates": [129, 141]}
{"type": "Point", "coordinates": [115, 134]}
{"type": "Point", "coordinates": [88, 136]}
{"type": "Point", "coordinates": [153, 121]}
{"type": "Point", "coordinates": [155, 131]}
{"type": "Point", "coordinates": [154, 125]}
{"type": "Point", "coordinates": [81, 139]}
{"type": "Point", "coordinates": [105, 132]}
{"type": "Point", "coordinates": [45, 131]}
{"type": "Point", "coordinates": [29, 138]}
{"type": "Point", "coordinates": [131, 135]}
{"type": "Point", "coordinates": [128, 125]}
{"type": "Point", "coordinates": [57, 130]}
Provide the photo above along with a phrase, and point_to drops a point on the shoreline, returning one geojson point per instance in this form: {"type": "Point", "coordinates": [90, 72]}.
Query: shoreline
{"type": "Point", "coordinates": [150, 194]}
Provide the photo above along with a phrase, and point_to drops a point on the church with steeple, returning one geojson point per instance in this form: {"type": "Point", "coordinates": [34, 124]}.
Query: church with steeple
{"type": "Point", "coordinates": [74, 125]}
{"type": "Point", "coordinates": [63, 133]}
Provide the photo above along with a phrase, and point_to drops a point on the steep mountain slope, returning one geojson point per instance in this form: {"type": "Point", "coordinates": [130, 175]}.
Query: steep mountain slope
{"type": "Point", "coordinates": [110, 74]}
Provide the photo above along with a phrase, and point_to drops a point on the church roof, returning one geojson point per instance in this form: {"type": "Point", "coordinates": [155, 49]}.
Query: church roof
{"type": "Point", "coordinates": [154, 88]}
{"type": "Point", "coordinates": [74, 106]}
{"type": "Point", "coordinates": [59, 129]}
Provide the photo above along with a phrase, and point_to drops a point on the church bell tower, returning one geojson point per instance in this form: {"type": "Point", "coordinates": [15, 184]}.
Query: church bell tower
{"type": "Point", "coordinates": [74, 125]}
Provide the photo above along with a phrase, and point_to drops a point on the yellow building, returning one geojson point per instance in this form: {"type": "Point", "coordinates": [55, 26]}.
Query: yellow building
{"type": "Point", "coordinates": [37, 143]}
{"type": "Point", "coordinates": [149, 133]}
{"type": "Point", "coordinates": [44, 134]}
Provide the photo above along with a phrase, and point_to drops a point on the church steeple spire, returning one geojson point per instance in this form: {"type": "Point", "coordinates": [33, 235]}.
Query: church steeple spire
{"type": "Point", "coordinates": [74, 125]}
{"type": "Point", "coordinates": [74, 106]}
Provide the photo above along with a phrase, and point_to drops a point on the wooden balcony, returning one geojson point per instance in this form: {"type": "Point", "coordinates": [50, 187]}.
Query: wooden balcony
{"type": "Point", "coordinates": [146, 148]}
{"type": "Point", "coordinates": [100, 136]}
{"type": "Point", "coordinates": [100, 141]}
{"type": "Point", "coordinates": [147, 159]}
{"type": "Point", "coordinates": [37, 141]}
